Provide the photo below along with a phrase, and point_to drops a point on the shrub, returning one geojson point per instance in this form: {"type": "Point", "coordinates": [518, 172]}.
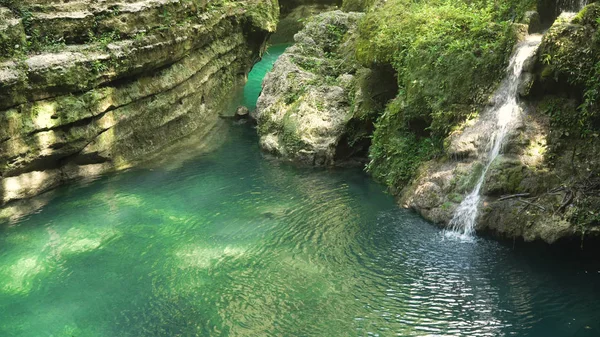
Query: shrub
{"type": "Point", "coordinates": [571, 62]}
{"type": "Point", "coordinates": [448, 55]}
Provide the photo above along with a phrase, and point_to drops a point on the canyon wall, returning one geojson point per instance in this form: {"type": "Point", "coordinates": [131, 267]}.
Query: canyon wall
{"type": "Point", "coordinates": [87, 87]}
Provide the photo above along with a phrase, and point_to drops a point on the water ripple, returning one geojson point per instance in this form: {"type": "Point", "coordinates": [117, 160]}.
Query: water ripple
{"type": "Point", "coordinates": [230, 244]}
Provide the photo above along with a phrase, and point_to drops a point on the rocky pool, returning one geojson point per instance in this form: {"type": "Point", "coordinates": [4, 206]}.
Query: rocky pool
{"type": "Point", "coordinates": [215, 240]}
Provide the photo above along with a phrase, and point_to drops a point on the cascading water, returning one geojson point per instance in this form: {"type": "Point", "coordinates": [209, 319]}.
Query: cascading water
{"type": "Point", "coordinates": [507, 110]}
{"type": "Point", "coordinates": [571, 5]}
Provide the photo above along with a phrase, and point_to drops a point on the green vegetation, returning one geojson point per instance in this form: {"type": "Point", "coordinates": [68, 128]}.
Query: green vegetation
{"type": "Point", "coordinates": [358, 5]}
{"type": "Point", "coordinates": [13, 41]}
{"type": "Point", "coordinates": [585, 213]}
{"type": "Point", "coordinates": [571, 58]}
{"type": "Point", "coordinates": [448, 55]}
{"type": "Point", "coordinates": [33, 35]}
{"type": "Point", "coordinates": [396, 153]}
{"type": "Point", "coordinates": [569, 92]}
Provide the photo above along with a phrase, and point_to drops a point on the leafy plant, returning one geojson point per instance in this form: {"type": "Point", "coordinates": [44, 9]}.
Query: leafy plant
{"type": "Point", "coordinates": [571, 55]}
{"type": "Point", "coordinates": [448, 55]}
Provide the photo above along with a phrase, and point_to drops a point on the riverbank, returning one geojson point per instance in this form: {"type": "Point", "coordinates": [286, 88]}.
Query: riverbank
{"type": "Point", "coordinates": [91, 87]}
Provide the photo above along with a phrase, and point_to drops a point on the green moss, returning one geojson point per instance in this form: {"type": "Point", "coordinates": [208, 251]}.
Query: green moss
{"type": "Point", "coordinates": [455, 198]}
{"type": "Point", "coordinates": [588, 15]}
{"type": "Point", "coordinates": [396, 155]}
{"type": "Point", "coordinates": [357, 5]}
{"type": "Point", "coordinates": [567, 51]}
{"type": "Point", "coordinates": [448, 55]}
{"type": "Point", "coordinates": [571, 57]}
{"type": "Point", "coordinates": [504, 177]}
{"type": "Point", "coordinates": [547, 72]}
{"type": "Point", "coordinates": [113, 25]}
{"type": "Point", "coordinates": [446, 206]}
{"type": "Point", "coordinates": [584, 213]}
{"type": "Point", "coordinates": [12, 35]}
{"type": "Point", "coordinates": [367, 96]}
{"type": "Point", "coordinates": [465, 181]}
{"type": "Point", "coordinates": [290, 134]}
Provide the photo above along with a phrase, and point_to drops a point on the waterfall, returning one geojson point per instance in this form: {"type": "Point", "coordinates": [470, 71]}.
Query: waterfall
{"type": "Point", "coordinates": [506, 110]}
{"type": "Point", "coordinates": [570, 5]}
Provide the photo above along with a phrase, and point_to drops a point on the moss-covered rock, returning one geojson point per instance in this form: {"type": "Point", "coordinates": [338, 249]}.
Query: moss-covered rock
{"type": "Point", "coordinates": [504, 177]}
{"type": "Point", "coordinates": [545, 185]}
{"type": "Point", "coordinates": [533, 21]}
{"type": "Point", "coordinates": [449, 57]}
{"type": "Point", "coordinates": [12, 34]}
{"type": "Point", "coordinates": [97, 103]}
{"type": "Point", "coordinates": [294, 21]}
{"type": "Point", "coordinates": [306, 104]}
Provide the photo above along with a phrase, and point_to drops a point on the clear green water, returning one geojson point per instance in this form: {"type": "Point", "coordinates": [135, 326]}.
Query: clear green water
{"type": "Point", "coordinates": [254, 85]}
{"type": "Point", "coordinates": [226, 243]}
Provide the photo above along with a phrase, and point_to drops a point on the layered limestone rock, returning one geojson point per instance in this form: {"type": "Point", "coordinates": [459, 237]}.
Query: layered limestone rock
{"type": "Point", "coordinates": [311, 100]}
{"type": "Point", "coordinates": [98, 86]}
{"type": "Point", "coordinates": [305, 104]}
{"type": "Point", "coordinates": [545, 185]}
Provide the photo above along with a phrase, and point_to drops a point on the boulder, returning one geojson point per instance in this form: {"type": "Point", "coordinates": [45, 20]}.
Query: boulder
{"type": "Point", "coordinates": [533, 22]}
{"type": "Point", "coordinates": [304, 107]}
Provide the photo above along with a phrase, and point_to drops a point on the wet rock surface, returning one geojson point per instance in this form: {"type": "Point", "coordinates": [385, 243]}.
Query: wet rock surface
{"type": "Point", "coordinates": [544, 186]}
{"type": "Point", "coordinates": [242, 112]}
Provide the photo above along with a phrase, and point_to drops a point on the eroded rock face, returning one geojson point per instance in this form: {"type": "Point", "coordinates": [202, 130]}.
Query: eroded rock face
{"type": "Point", "coordinates": [108, 83]}
{"type": "Point", "coordinates": [545, 184]}
{"type": "Point", "coordinates": [305, 104]}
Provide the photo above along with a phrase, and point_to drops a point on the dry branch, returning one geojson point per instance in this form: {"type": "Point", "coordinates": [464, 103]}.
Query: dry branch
{"type": "Point", "coordinates": [512, 196]}
{"type": "Point", "coordinates": [532, 204]}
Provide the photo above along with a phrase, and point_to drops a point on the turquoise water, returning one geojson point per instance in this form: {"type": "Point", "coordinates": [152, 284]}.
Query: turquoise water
{"type": "Point", "coordinates": [254, 85]}
{"type": "Point", "coordinates": [222, 242]}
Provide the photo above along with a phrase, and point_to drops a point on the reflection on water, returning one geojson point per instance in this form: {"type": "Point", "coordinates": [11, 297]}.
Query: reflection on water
{"type": "Point", "coordinates": [227, 243]}
{"type": "Point", "coordinates": [230, 244]}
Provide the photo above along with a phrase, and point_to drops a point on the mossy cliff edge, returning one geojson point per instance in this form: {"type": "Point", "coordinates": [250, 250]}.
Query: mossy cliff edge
{"type": "Point", "coordinates": [87, 87]}
{"type": "Point", "coordinates": [426, 130]}
{"type": "Point", "coordinates": [546, 184]}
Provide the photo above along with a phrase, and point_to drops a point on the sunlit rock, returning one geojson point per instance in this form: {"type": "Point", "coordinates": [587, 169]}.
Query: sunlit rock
{"type": "Point", "coordinates": [304, 108]}
{"type": "Point", "coordinates": [113, 83]}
